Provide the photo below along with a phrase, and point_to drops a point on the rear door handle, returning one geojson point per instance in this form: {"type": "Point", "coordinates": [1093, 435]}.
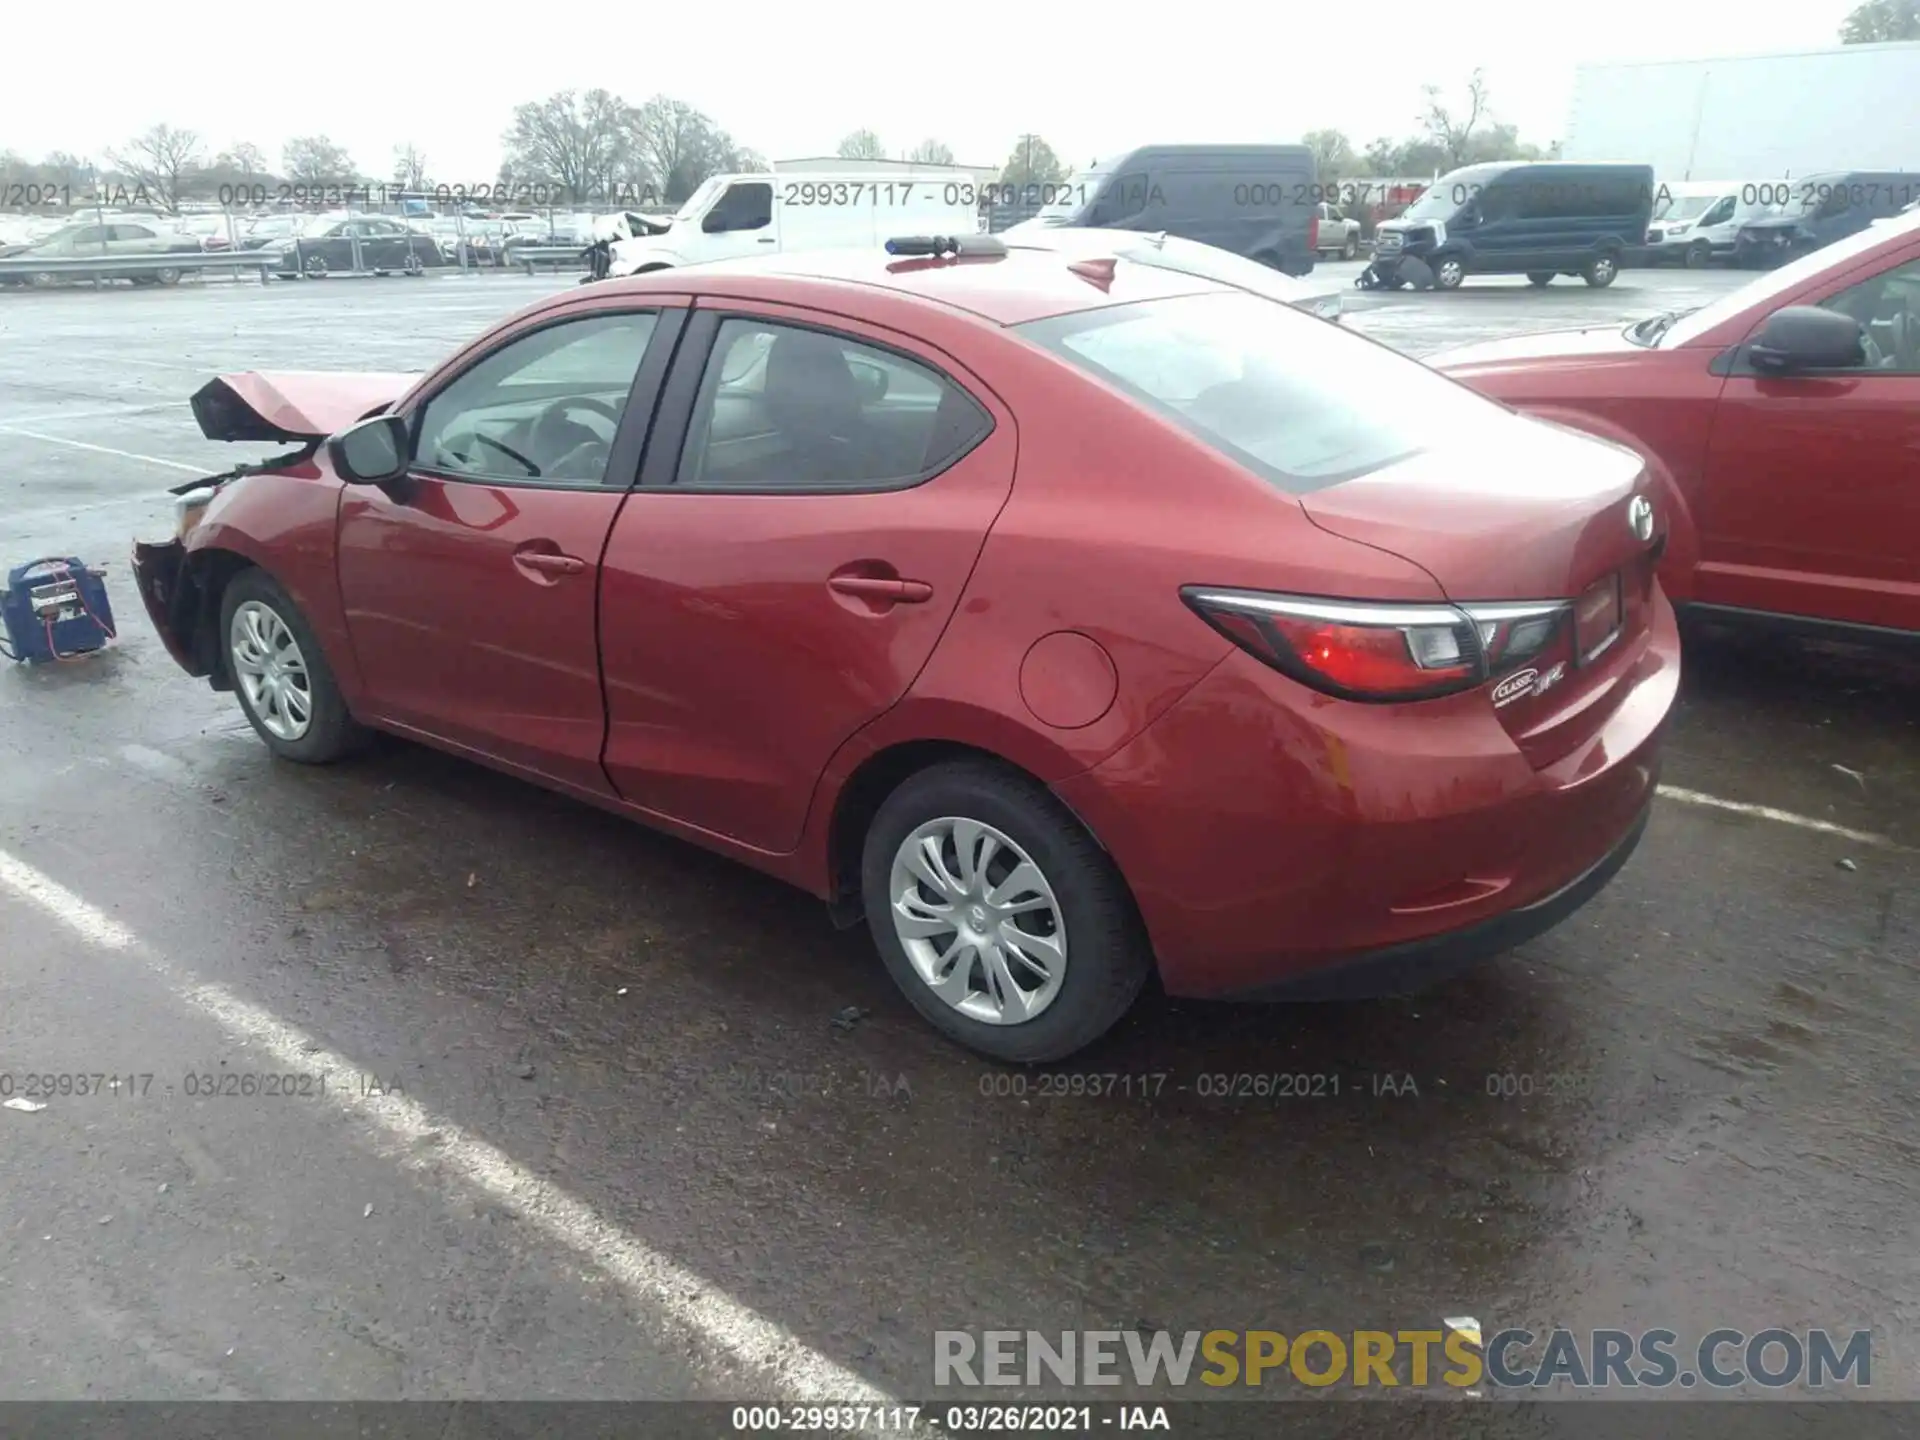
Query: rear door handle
{"type": "Point", "coordinates": [889, 591]}
{"type": "Point", "coordinates": [549, 563]}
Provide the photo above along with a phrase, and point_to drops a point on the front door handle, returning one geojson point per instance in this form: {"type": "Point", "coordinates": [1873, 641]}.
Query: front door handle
{"type": "Point", "coordinates": [885, 590]}
{"type": "Point", "coordinates": [548, 563]}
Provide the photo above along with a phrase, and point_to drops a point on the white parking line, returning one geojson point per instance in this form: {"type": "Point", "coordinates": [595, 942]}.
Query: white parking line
{"type": "Point", "coordinates": [418, 1139]}
{"type": "Point", "coordinates": [103, 449]}
{"type": "Point", "coordinates": [1785, 817]}
{"type": "Point", "coordinates": [118, 412]}
{"type": "Point", "coordinates": [61, 512]}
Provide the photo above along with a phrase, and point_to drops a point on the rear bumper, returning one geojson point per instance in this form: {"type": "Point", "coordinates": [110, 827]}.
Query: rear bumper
{"type": "Point", "coordinates": [1273, 837]}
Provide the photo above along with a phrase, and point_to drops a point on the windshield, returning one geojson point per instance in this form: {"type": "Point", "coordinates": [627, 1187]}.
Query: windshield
{"type": "Point", "coordinates": [1778, 282]}
{"type": "Point", "coordinates": [1068, 198]}
{"type": "Point", "coordinates": [1293, 399]}
{"type": "Point", "coordinates": [697, 201]}
{"type": "Point", "coordinates": [1443, 199]}
{"type": "Point", "coordinates": [1684, 207]}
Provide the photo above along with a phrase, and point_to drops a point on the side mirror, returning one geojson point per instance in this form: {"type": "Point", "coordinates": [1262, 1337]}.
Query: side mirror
{"type": "Point", "coordinates": [1807, 337]}
{"type": "Point", "coordinates": [372, 452]}
{"type": "Point", "coordinates": [870, 380]}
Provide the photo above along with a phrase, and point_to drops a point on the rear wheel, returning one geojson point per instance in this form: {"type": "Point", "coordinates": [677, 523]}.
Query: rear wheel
{"type": "Point", "coordinates": [1351, 249]}
{"type": "Point", "coordinates": [1448, 272]}
{"type": "Point", "coordinates": [998, 916]}
{"type": "Point", "coordinates": [285, 687]}
{"type": "Point", "coordinates": [1601, 271]}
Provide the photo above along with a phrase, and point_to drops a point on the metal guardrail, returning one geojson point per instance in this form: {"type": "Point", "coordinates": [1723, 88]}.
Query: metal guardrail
{"type": "Point", "coordinates": [555, 255]}
{"type": "Point", "coordinates": [124, 267]}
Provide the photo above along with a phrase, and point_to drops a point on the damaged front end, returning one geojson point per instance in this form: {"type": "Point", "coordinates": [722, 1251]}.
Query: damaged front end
{"type": "Point", "coordinates": [178, 594]}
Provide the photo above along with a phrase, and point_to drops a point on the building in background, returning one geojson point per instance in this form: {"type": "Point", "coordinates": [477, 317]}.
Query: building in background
{"type": "Point", "coordinates": [1753, 117]}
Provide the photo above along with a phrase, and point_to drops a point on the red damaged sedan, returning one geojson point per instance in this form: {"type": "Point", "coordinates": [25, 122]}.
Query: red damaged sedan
{"type": "Point", "coordinates": [1782, 425]}
{"type": "Point", "coordinates": [1068, 619]}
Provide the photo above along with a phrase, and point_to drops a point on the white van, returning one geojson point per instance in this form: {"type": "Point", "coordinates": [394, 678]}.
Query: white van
{"type": "Point", "coordinates": [735, 215]}
{"type": "Point", "coordinates": [1695, 221]}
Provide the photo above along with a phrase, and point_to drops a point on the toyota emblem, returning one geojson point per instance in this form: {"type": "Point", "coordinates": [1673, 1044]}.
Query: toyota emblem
{"type": "Point", "coordinates": [1640, 517]}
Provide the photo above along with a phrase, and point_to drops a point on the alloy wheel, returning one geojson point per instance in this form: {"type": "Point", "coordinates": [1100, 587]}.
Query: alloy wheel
{"type": "Point", "coordinates": [979, 922]}
{"type": "Point", "coordinates": [271, 671]}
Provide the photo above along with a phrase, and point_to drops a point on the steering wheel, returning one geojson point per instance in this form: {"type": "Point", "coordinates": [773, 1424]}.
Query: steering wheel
{"type": "Point", "coordinates": [568, 441]}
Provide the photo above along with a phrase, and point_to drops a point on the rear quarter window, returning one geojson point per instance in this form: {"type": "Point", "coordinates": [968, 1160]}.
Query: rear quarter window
{"type": "Point", "coordinates": [1298, 402]}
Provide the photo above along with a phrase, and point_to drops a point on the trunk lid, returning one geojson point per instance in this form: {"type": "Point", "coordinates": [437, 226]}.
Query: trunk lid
{"type": "Point", "coordinates": [1549, 517]}
{"type": "Point", "coordinates": [293, 404]}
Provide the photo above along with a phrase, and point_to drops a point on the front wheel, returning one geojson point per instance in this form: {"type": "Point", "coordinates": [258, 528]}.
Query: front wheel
{"type": "Point", "coordinates": [1699, 255]}
{"type": "Point", "coordinates": [1601, 271]}
{"type": "Point", "coordinates": [286, 688]}
{"type": "Point", "coordinates": [167, 275]}
{"type": "Point", "coordinates": [999, 917]}
{"type": "Point", "coordinates": [1448, 272]}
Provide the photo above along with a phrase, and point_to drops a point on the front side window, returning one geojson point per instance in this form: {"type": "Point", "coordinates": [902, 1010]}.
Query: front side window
{"type": "Point", "coordinates": [1887, 308]}
{"type": "Point", "coordinates": [1293, 399]}
{"type": "Point", "coordinates": [781, 408]}
{"type": "Point", "coordinates": [542, 409]}
{"type": "Point", "coordinates": [746, 206]}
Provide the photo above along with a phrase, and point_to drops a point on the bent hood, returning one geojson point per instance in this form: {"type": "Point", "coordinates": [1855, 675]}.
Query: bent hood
{"type": "Point", "coordinates": [1570, 345]}
{"type": "Point", "coordinates": [293, 404]}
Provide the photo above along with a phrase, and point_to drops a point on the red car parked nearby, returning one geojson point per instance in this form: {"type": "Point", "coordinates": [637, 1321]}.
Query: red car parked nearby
{"type": "Point", "coordinates": [1064, 617]}
{"type": "Point", "coordinates": [1782, 424]}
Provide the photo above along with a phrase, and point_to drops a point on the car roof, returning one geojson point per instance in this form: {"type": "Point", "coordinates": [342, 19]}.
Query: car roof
{"type": "Point", "coordinates": [1008, 289]}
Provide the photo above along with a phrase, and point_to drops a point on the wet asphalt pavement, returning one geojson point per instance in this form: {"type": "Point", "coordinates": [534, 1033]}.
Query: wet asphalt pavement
{"type": "Point", "coordinates": [591, 1129]}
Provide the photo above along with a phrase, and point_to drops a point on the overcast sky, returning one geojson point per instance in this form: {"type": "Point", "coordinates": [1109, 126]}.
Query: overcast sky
{"type": "Point", "coordinates": [790, 80]}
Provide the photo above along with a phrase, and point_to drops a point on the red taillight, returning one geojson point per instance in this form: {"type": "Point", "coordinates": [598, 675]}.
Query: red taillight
{"type": "Point", "coordinates": [1313, 233]}
{"type": "Point", "coordinates": [1381, 652]}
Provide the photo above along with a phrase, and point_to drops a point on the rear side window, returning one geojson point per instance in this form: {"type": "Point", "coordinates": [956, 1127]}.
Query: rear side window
{"type": "Point", "coordinates": [1299, 402]}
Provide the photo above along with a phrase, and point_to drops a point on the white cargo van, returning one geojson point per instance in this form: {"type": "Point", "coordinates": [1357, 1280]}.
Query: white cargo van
{"type": "Point", "coordinates": [1696, 221]}
{"type": "Point", "coordinates": [735, 215]}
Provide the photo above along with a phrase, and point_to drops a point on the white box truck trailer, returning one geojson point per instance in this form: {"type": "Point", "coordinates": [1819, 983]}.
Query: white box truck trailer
{"type": "Point", "coordinates": [1753, 117]}
{"type": "Point", "coordinates": [732, 216]}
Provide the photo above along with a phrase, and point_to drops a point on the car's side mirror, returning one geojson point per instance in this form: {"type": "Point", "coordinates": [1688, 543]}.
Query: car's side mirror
{"type": "Point", "coordinates": [1807, 337]}
{"type": "Point", "coordinates": [870, 380]}
{"type": "Point", "coordinates": [372, 452]}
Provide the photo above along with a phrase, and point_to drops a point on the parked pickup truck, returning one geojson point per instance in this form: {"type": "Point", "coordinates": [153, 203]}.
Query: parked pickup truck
{"type": "Point", "coordinates": [1338, 235]}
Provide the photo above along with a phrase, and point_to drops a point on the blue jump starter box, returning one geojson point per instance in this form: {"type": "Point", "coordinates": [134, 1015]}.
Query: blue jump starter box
{"type": "Point", "coordinates": [55, 609]}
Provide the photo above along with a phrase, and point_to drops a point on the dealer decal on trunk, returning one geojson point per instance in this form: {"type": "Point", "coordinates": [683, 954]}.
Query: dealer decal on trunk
{"type": "Point", "coordinates": [1523, 683]}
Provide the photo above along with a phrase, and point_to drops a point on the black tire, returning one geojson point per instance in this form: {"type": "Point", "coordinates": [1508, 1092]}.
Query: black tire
{"type": "Point", "coordinates": [1449, 271]}
{"type": "Point", "coordinates": [314, 267]}
{"type": "Point", "coordinates": [332, 733]}
{"type": "Point", "coordinates": [1602, 270]}
{"type": "Point", "coordinates": [1108, 957]}
{"type": "Point", "coordinates": [1540, 277]}
{"type": "Point", "coordinates": [1699, 255]}
{"type": "Point", "coordinates": [167, 275]}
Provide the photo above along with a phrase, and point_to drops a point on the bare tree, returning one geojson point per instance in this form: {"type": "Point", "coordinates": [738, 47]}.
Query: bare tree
{"type": "Point", "coordinates": [409, 167]}
{"type": "Point", "coordinates": [316, 160]}
{"type": "Point", "coordinates": [1881, 20]}
{"type": "Point", "coordinates": [862, 145]}
{"type": "Point", "coordinates": [161, 161]}
{"type": "Point", "coordinates": [1452, 131]}
{"type": "Point", "coordinates": [682, 147]}
{"type": "Point", "coordinates": [585, 146]}
{"type": "Point", "coordinates": [1333, 154]}
{"type": "Point", "coordinates": [931, 152]}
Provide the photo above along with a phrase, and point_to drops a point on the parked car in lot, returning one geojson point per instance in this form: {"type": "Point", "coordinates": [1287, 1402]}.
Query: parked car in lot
{"type": "Point", "coordinates": [1254, 200]}
{"type": "Point", "coordinates": [1782, 425]}
{"type": "Point", "coordinates": [1063, 619]}
{"type": "Point", "coordinates": [263, 230]}
{"type": "Point", "coordinates": [1512, 217]}
{"type": "Point", "coordinates": [358, 242]}
{"type": "Point", "coordinates": [1696, 223]}
{"type": "Point", "coordinates": [1339, 234]}
{"type": "Point", "coordinates": [470, 242]}
{"type": "Point", "coordinates": [1807, 214]}
{"type": "Point", "coordinates": [214, 232]}
{"type": "Point", "coordinates": [119, 240]}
